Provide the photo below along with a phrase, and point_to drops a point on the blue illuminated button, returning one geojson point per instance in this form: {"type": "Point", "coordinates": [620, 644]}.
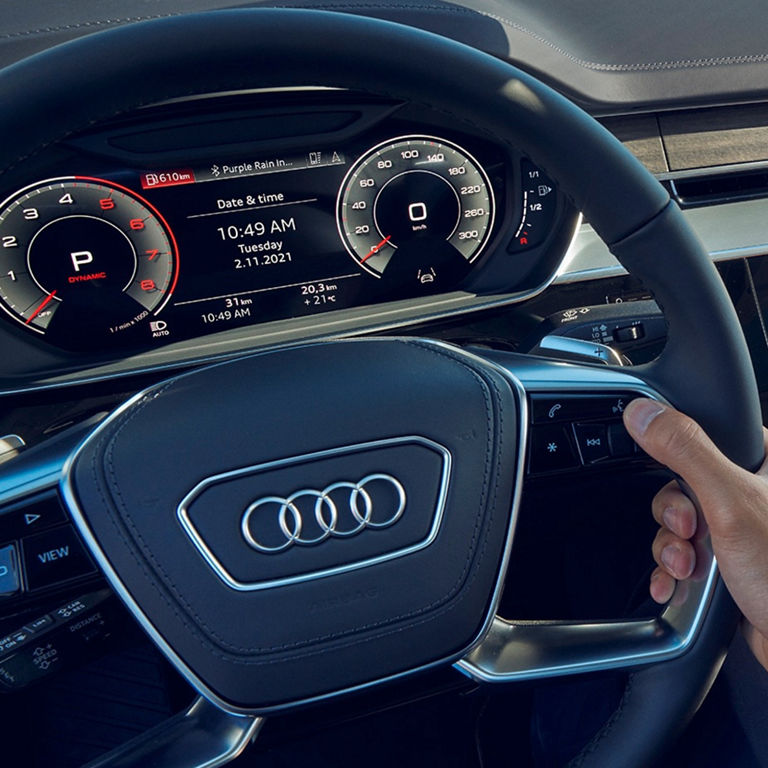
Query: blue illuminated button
{"type": "Point", "coordinates": [9, 571]}
{"type": "Point", "coordinates": [30, 516]}
{"type": "Point", "coordinates": [54, 556]}
{"type": "Point", "coordinates": [592, 440]}
{"type": "Point", "coordinates": [550, 450]}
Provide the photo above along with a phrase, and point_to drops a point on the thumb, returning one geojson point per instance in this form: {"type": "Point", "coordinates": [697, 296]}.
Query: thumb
{"type": "Point", "coordinates": [677, 441]}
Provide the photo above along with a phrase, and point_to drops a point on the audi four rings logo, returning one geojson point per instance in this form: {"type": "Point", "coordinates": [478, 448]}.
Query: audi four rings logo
{"type": "Point", "coordinates": [343, 509]}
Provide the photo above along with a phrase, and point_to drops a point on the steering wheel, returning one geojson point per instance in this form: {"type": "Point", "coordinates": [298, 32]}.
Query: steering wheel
{"type": "Point", "coordinates": [261, 624]}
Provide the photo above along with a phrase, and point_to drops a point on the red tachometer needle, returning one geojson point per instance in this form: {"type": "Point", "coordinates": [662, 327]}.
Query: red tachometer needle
{"type": "Point", "coordinates": [376, 249]}
{"type": "Point", "coordinates": [43, 305]}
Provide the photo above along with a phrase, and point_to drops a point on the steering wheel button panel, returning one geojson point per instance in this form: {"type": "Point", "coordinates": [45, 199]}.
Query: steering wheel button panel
{"type": "Point", "coordinates": [572, 429]}
{"type": "Point", "coordinates": [62, 639]}
{"type": "Point", "coordinates": [549, 408]}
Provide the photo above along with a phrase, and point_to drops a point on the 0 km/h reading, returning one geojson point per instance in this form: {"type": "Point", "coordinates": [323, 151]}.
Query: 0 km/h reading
{"type": "Point", "coordinates": [410, 196]}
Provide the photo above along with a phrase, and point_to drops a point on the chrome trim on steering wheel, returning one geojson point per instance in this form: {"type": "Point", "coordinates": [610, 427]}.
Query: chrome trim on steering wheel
{"type": "Point", "coordinates": [294, 535]}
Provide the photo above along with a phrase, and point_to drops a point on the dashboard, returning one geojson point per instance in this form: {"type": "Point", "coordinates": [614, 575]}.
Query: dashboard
{"type": "Point", "coordinates": [158, 228]}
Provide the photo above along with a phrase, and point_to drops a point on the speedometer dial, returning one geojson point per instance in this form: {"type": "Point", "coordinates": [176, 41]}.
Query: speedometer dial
{"type": "Point", "coordinates": [416, 208]}
{"type": "Point", "coordinates": [83, 259]}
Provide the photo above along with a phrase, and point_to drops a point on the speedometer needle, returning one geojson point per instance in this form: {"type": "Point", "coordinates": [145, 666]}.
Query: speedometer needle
{"type": "Point", "coordinates": [376, 249]}
{"type": "Point", "coordinates": [43, 305]}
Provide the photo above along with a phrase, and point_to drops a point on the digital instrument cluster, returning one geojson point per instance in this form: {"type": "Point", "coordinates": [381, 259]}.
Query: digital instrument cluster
{"type": "Point", "coordinates": [142, 257]}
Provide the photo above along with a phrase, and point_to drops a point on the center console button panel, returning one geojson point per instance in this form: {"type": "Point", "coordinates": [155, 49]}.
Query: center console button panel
{"type": "Point", "coordinates": [49, 620]}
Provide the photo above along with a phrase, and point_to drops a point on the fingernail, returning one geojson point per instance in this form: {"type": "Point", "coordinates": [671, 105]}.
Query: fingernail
{"type": "Point", "coordinates": [640, 413]}
{"type": "Point", "coordinates": [660, 591]}
{"type": "Point", "coordinates": [671, 557]}
{"type": "Point", "coordinates": [668, 516]}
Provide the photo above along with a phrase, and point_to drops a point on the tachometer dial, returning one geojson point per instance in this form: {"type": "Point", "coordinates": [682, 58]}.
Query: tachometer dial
{"type": "Point", "coordinates": [83, 258]}
{"type": "Point", "coordinates": [416, 208]}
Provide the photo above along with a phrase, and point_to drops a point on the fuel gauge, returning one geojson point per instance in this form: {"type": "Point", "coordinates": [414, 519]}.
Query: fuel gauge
{"type": "Point", "coordinates": [539, 205]}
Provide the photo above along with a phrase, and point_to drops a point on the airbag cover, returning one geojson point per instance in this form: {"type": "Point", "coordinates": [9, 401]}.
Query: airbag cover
{"type": "Point", "coordinates": [306, 521]}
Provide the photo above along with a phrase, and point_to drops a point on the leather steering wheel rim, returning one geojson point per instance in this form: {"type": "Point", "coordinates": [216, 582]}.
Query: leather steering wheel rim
{"type": "Point", "coordinates": [249, 49]}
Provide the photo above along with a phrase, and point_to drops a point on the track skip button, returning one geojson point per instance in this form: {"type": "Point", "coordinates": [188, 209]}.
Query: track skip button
{"type": "Point", "coordinates": [592, 441]}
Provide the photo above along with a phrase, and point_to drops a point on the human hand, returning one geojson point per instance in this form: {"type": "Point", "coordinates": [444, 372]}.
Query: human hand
{"type": "Point", "coordinates": [734, 506]}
